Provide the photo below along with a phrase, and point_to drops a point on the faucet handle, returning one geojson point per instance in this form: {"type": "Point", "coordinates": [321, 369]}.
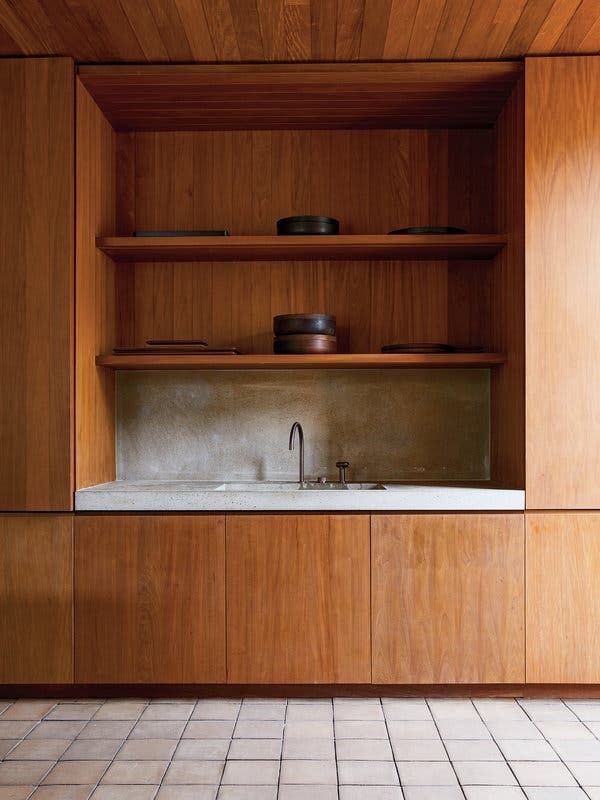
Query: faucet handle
{"type": "Point", "coordinates": [342, 467]}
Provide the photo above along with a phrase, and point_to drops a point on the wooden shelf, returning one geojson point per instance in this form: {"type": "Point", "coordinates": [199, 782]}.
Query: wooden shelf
{"type": "Point", "coordinates": [302, 248]}
{"type": "Point", "coordinates": [329, 361]}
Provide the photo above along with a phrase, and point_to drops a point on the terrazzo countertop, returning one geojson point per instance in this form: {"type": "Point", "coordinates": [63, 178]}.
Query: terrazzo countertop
{"type": "Point", "coordinates": [269, 496]}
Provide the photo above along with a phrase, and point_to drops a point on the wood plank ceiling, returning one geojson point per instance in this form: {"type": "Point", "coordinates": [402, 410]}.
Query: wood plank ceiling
{"type": "Point", "coordinates": [297, 30]}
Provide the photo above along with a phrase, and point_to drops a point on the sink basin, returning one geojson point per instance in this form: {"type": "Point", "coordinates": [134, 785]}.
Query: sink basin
{"type": "Point", "coordinates": [292, 486]}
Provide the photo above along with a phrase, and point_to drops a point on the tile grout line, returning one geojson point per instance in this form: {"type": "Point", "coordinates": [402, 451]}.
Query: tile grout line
{"type": "Point", "coordinates": [387, 730]}
{"type": "Point", "coordinates": [506, 761]}
{"type": "Point", "coordinates": [444, 745]}
{"type": "Point", "coordinates": [170, 760]}
{"type": "Point", "coordinates": [287, 705]}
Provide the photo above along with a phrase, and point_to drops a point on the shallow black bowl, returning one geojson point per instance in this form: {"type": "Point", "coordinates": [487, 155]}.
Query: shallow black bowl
{"type": "Point", "coordinates": [307, 225]}
{"type": "Point", "coordinates": [287, 324]}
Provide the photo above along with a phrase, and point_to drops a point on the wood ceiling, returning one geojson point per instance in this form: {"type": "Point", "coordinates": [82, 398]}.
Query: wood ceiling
{"type": "Point", "coordinates": [297, 30]}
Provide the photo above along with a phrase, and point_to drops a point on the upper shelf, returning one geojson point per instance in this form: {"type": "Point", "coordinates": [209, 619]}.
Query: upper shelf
{"type": "Point", "coordinates": [302, 248]}
{"type": "Point", "coordinates": [301, 96]}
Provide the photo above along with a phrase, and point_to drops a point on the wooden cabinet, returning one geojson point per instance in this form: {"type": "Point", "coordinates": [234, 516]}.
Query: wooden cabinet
{"type": "Point", "coordinates": [36, 593]}
{"type": "Point", "coordinates": [448, 598]}
{"type": "Point", "coordinates": [36, 277]}
{"type": "Point", "coordinates": [149, 599]}
{"type": "Point", "coordinates": [298, 599]}
{"type": "Point", "coordinates": [563, 598]}
{"type": "Point", "coordinates": [562, 172]}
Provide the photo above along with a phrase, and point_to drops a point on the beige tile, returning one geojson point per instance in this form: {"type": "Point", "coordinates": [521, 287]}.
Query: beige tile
{"type": "Point", "coordinates": [198, 749]}
{"type": "Point", "coordinates": [247, 793]}
{"type": "Point", "coordinates": [454, 793]}
{"type": "Point", "coordinates": [167, 712]}
{"type": "Point", "coordinates": [463, 729]}
{"type": "Point", "coordinates": [419, 750]}
{"type": "Point", "coordinates": [310, 749]}
{"type": "Point", "coordinates": [124, 793]}
{"type": "Point", "coordinates": [309, 730]}
{"type": "Point", "coordinates": [92, 750]}
{"type": "Point", "coordinates": [485, 773]}
{"type": "Point", "coordinates": [120, 710]}
{"type": "Point", "coordinates": [542, 773]}
{"type": "Point", "coordinates": [209, 729]}
{"type": "Point", "coordinates": [134, 772]}
{"type": "Point", "coordinates": [16, 773]}
{"type": "Point", "coordinates": [15, 792]}
{"type": "Point", "coordinates": [360, 729]}
{"type": "Point", "coordinates": [529, 750]}
{"type": "Point", "coordinates": [474, 750]}
{"type": "Point", "coordinates": [105, 729]}
{"type": "Point", "coordinates": [514, 729]}
{"type": "Point", "coordinates": [216, 709]}
{"type": "Point", "coordinates": [56, 730]}
{"type": "Point", "coordinates": [377, 793]}
{"type": "Point", "coordinates": [255, 749]}
{"type": "Point", "coordinates": [15, 729]}
{"type": "Point", "coordinates": [323, 773]}
{"type": "Point", "coordinates": [357, 711]}
{"type": "Point", "coordinates": [39, 750]}
{"type": "Point", "coordinates": [576, 750]}
{"type": "Point", "coordinates": [297, 792]}
{"type": "Point", "coordinates": [76, 772]}
{"type": "Point", "coordinates": [262, 711]}
{"type": "Point", "coordinates": [310, 712]}
{"type": "Point", "coordinates": [251, 773]}
{"type": "Point", "coordinates": [6, 745]}
{"type": "Point", "coordinates": [147, 750]}
{"type": "Point", "coordinates": [158, 730]}
{"type": "Point", "coordinates": [412, 729]}
{"type": "Point", "coordinates": [187, 793]}
{"type": "Point", "coordinates": [28, 710]}
{"type": "Point", "coordinates": [547, 710]}
{"type": "Point", "coordinates": [194, 772]}
{"type": "Point", "coordinates": [568, 729]}
{"type": "Point", "coordinates": [72, 711]}
{"type": "Point", "coordinates": [62, 792]}
{"type": "Point", "coordinates": [452, 709]}
{"type": "Point", "coordinates": [364, 773]}
{"type": "Point", "coordinates": [258, 729]}
{"type": "Point", "coordinates": [426, 773]}
{"type": "Point", "coordinates": [365, 750]}
{"type": "Point", "coordinates": [410, 709]}
{"type": "Point", "coordinates": [494, 709]}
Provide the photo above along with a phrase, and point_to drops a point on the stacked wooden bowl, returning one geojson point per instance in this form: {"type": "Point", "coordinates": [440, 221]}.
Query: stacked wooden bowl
{"type": "Point", "coordinates": [301, 334]}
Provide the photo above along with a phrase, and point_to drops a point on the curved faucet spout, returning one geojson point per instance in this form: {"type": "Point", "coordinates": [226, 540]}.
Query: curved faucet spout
{"type": "Point", "coordinates": [297, 429]}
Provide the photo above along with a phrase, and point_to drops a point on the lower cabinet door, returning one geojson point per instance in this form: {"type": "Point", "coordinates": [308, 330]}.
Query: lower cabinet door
{"type": "Point", "coordinates": [563, 597]}
{"type": "Point", "coordinates": [150, 599]}
{"type": "Point", "coordinates": [36, 598]}
{"type": "Point", "coordinates": [298, 599]}
{"type": "Point", "coordinates": [448, 598]}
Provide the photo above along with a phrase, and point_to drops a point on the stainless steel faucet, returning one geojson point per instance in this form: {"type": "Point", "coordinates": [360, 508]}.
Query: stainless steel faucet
{"type": "Point", "coordinates": [297, 428]}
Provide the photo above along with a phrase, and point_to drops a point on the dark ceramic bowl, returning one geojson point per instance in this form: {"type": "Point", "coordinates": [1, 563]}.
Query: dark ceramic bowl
{"type": "Point", "coordinates": [308, 225]}
{"type": "Point", "coordinates": [286, 324]}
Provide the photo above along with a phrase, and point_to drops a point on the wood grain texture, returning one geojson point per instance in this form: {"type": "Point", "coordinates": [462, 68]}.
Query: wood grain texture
{"type": "Point", "coordinates": [95, 319]}
{"type": "Point", "coordinates": [36, 597]}
{"type": "Point", "coordinates": [36, 284]}
{"type": "Point", "coordinates": [448, 598]}
{"type": "Point", "coordinates": [562, 170]}
{"type": "Point", "coordinates": [372, 181]}
{"type": "Point", "coordinates": [296, 30]}
{"type": "Point", "coordinates": [563, 598]}
{"type": "Point", "coordinates": [149, 599]}
{"type": "Point", "coordinates": [307, 96]}
{"type": "Point", "coordinates": [298, 599]}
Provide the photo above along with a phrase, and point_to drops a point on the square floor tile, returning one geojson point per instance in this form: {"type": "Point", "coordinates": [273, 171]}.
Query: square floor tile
{"type": "Point", "coordinates": [250, 773]}
{"type": "Point", "coordinates": [15, 729]}
{"type": "Point", "coordinates": [187, 793]}
{"type": "Point", "coordinates": [370, 793]}
{"type": "Point", "coordinates": [62, 792]}
{"type": "Point", "coordinates": [433, 793]}
{"type": "Point", "coordinates": [415, 710]}
{"type": "Point", "coordinates": [92, 750]}
{"type": "Point", "coordinates": [56, 730]}
{"type": "Point", "coordinates": [28, 710]}
{"type": "Point", "coordinates": [135, 772]}
{"type": "Point", "coordinates": [262, 711]}
{"type": "Point", "coordinates": [463, 729]}
{"type": "Point", "coordinates": [163, 712]}
{"type": "Point", "coordinates": [564, 730]}
{"type": "Point", "coordinates": [306, 772]}
{"type": "Point", "coordinates": [410, 729]}
{"type": "Point", "coordinates": [560, 793]}
{"type": "Point", "coordinates": [194, 772]}
{"type": "Point", "coordinates": [426, 773]}
{"type": "Point", "coordinates": [120, 710]}
{"type": "Point", "coordinates": [513, 729]}
{"type": "Point", "coordinates": [495, 709]}
{"type": "Point", "coordinates": [311, 792]}
{"type": "Point", "coordinates": [309, 730]}
{"type": "Point", "coordinates": [310, 712]}
{"type": "Point", "coordinates": [6, 746]}
{"type": "Point", "coordinates": [527, 750]}
{"type": "Point", "coordinates": [247, 793]}
{"type": "Point", "coordinates": [419, 750]}
{"type": "Point", "coordinates": [258, 729]}
{"type": "Point", "coordinates": [364, 750]}
{"type": "Point", "coordinates": [147, 750]}
{"type": "Point", "coordinates": [106, 729]}
{"type": "Point", "coordinates": [355, 729]}
{"type": "Point", "coordinates": [577, 749]}
{"type": "Point", "coordinates": [216, 709]}
{"type": "Point", "coordinates": [452, 709]}
{"type": "Point", "coordinates": [473, 750]}
{"type": "Point", "coordinates": [156, 730]}
{"type": "Point", "coordinates": [365, 773]}
{"type": "Point", "coordinates": [484, 773]}
{"type": "Point", "coordinates": [494, 793]}
{"type": "Point", "coordinates": [255, 749]}
{"type": "Point", "coordinates": [73, 711]}
{"type": "Point", "coordinates": [357, 711]}
{"type": "Point", "coordinates": [124, 793]}
{"type": "Point", "coordinates": [542, 773]}
{"type": "Point", "coordinates": [16, 773]}
{"type": "Point", "coordinates": [199, 749]}
{"type": "Point", "coordinates": [586, 772]}
{"type": "Point", "coordinates": [586, 712]}
{"type": "Point", "coordinates": [39, 750]}
{"type": "Point", "coordinates": [545, 710]}
{"type": "Point", "coordinates": [309, 749]}
{"type": "Point", "coordinates": [77, 772]}
{"type": "Point", "coordinates": [209, 729]}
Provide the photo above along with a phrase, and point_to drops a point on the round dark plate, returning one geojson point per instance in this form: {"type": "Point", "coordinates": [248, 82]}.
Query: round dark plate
{"type": "Point", "coordinates": [307, 225]}
{"type": "Point", "coordinates": [286, 324]}
{"type": "Point", "coordinates": [428, 229]}
{"type": "Point", "coordinates": [416, 347]}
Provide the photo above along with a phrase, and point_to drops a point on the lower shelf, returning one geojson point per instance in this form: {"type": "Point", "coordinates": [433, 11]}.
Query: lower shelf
{"type": "Point", "coordinates": [329, 361]}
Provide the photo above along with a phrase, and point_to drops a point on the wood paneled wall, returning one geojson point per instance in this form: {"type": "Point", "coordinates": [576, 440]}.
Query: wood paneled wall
{"type": "Point", "coordinates": [373, 181]}
{"type": "Point", "coordinates": [562, 158]}
{"type": "Point", "coordinates": [36, 284]}
{"type": "Point", "coordinates": [95, 289]}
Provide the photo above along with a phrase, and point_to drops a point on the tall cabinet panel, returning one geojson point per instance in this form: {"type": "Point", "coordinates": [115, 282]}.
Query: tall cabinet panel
{"type": "Point", "coordinates": [36, 276]}
{"type": "Point", "coordinates": [562, 195]}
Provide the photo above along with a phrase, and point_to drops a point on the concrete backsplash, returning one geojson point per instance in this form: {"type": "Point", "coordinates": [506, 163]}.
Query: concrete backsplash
{"type": "Point", "coordinates": [390, 424]}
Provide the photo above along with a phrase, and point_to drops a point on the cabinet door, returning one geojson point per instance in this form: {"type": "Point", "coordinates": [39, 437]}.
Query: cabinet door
{"type": "Point", "coordinates": [298, 599]}
{"type": "Point", "coordinates": [36, 277]}
{"type": "Point", "coordinates": [563, 598]}
{"type": "Point", "coordinates": [36, 598]}
{"type": "Point", "coordinates": [149, 599]}
{"type": "Point", "coordinates": [448, 598]}
{"type": "Point", "coordinates": [562, 174]}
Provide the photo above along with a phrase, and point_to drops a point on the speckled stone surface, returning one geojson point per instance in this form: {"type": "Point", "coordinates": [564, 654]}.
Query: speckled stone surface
{"type": "Point", "coordinates": [214, 496]}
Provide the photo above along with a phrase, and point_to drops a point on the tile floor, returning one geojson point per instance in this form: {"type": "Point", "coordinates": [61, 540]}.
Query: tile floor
{"type": "Point", "coordinates": [340, 749]}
